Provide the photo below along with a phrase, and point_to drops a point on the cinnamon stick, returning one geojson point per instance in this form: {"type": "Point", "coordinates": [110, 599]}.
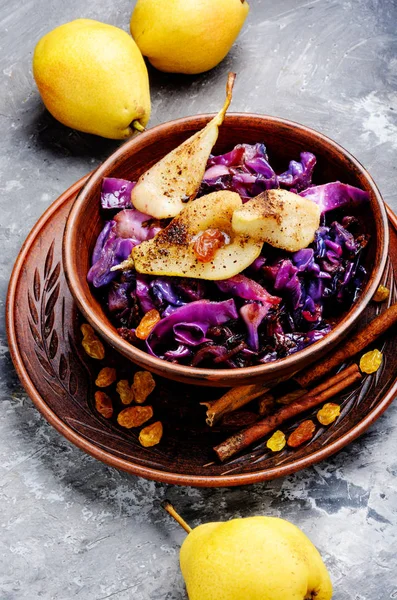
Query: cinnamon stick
{"type": "Point", "coordinates": [232, 400]}
{"type": "Point", "coordinates": [292, 396]}
{"type": "Point", "coordinates": [358, 342]}
{"type": "Point", "coordinates": [321, 387]}
{"type": "Point", "coordinates": [238, 442]}
{"type": "Point", "coordinates": [242, 395]}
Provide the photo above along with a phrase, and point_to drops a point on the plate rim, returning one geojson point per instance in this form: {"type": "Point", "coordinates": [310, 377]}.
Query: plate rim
{"type": "Point", "coordinates": [110, 459]}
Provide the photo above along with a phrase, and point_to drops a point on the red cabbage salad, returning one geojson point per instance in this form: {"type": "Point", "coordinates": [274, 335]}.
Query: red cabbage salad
{"type": "Point", "coordinates": [283, 302]}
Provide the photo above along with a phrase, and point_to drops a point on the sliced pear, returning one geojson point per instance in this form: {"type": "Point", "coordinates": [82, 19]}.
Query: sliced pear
{"type": "Point", "coordinates": [164, 189]}
{"type": "Point", "coordinates": [171, 251]}
{"type": "Point", "coordinates": [280, 218]}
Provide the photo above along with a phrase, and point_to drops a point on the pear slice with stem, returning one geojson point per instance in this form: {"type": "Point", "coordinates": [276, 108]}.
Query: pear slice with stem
{"type": "Point", "coordinates": [164, 189]}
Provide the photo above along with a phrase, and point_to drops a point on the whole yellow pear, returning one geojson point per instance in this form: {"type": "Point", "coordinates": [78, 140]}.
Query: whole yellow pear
{"type": "Point", "coordinates": [257, 558]}
{"type": "Point", "coordinates": [92, 77]}
{"type": "Point", "coordinates": [187, 36]}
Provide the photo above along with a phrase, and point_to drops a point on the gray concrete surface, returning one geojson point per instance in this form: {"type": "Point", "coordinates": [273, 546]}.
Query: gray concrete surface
{"type": "Point", "coordinates": [70, 527]}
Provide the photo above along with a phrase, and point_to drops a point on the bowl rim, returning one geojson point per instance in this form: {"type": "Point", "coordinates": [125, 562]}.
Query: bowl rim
{"type": "Point", "coordinates": [205, 375]}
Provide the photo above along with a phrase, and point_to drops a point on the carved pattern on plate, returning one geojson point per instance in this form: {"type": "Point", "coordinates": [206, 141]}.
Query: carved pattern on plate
{"type": "Point", "coordinates": [47, 307]}
{"type": "Point", "coordinates": [63, 376]}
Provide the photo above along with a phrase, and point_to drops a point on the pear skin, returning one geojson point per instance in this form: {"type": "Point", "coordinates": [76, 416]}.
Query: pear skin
{"type": "Point", "coordinates": [92, 77]}
{"type": "Point", "coordinates": [257, 558]}
{"type": "Point", "coordinates": [163, 190]}
{"type": "Point", "coordinates": [187, 36]}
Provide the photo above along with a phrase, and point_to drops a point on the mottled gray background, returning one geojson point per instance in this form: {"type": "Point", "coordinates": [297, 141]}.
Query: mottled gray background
{"type": "Point", "coordinates": [74, 528]}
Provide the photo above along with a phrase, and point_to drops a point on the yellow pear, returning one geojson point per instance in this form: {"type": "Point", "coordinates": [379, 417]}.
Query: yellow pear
{"type": "Point", "coordinates": [164, 189]}
{"type": "Point", "coordinates": [256, 558]}
{"type": "Point", "coordinates": [187, 36]}
{"type": "Point", "coordinates": [92, 77]}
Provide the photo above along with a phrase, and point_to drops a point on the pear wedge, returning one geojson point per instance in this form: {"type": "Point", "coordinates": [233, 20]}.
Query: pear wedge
{"type": "Point", "coordinates": [164, 189]}
{"type": "Point", "coordinates": [280, 218]}
{"type": "Point", "coordinates": [171, 251]}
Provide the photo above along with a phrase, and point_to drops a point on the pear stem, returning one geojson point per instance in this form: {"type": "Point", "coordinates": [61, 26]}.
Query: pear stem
{"type": "Point", "coordinates": [231, 78]}
{"type": "Point", "coordinates": [218, 119]}
{"type": "Point", "coordinates": [171, 511]}
{"type": "Point", "coordinates": [136, 125]}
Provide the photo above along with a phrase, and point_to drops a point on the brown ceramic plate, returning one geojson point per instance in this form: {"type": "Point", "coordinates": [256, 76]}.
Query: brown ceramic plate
{"type": "Point", "coordinates": [285, 140]}
{"type": "Point", "coordinates": [45, 343]}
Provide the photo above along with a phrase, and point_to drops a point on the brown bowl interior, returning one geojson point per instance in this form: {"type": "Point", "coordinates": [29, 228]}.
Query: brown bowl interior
{"type": "Point", "coordinates": [284, 140]}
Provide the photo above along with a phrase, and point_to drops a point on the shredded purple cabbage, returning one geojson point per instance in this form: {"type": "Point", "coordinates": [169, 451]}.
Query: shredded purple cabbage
{"type": "Point", "coordinates": [245, 170]}
{"type": "Point", "coordinates": [334, 195]}
{"type": "Point", "coordinates": [282, 303]}
{"type": "Point", "coordinates": [188, 325]}
{"type": "Point", "coordinates": [116, 193]}
{"type": "Point", "coordinates": [299, 174]}
{"type": "Point", "coordinates": [116, 241]}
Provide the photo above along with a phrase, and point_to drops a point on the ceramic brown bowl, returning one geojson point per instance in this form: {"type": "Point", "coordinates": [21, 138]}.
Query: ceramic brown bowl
{"type": "Point", "coordinates": [284, 141]}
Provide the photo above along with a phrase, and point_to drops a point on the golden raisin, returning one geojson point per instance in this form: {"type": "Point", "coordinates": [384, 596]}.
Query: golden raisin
{"type": "Point", "coordinates": [134, 416]}
{"type": "Point", "coordinates": [106, 377]}
{"type": "Point", "coordinates": [148, 322]}
{"type": "Point", "coordinates": [143, 385]}
{"type": "Point", "coordinates": [91, 344]}
{"type": "Point", "coordinates": [371, 361]}
{"type": "Point", "coordinates": [207, 243]}
{"type": "Point", "coordinates": [87, 331]}
{"type": "Point", "coordinates": [277, 441]}
{"type": "Point", "coordinates": [94, 348]}
{"type": "Point", "coordinates": [303, 433]}
{"type": "Point", "coordinates": [151, 434]}
{"type": "Point", "coordinates": [103, 404]}
{"type": "Point", "coordinates": [328, 413]}
{"type": "Point", "coordinates": [381, 294]}
{"type": "Point", "coordinates": [125, 392]}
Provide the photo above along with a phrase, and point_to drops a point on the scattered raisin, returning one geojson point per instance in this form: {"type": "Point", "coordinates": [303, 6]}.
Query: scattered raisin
{"type": "Point", "coordinates": [106, 377]}
{"type": "Point", "coordinates": [303, 433]}
{"type": "Point", "coordinates": [134, 416]}
{"type": "Point", "coordinates": [381, 294]}
{"type": "Point", "coordinates": [91, 344]}
{"type": "Point", "coordinates": [371, 361]}
{"type": "Point", "coordinates": [151, 435]}
{"type": "Point", "coordinates": [103, 404]}
{"type": "Point", "coordinates": [277, 441]}
{"type": "Point", "coordinates": [328, 413]}
{"type": "Point", "coordinates": [87, 331]}
{"type": "Point", "coordinates": [143, 385]}
{"type": "Point", "coordinates": [125, 392]}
